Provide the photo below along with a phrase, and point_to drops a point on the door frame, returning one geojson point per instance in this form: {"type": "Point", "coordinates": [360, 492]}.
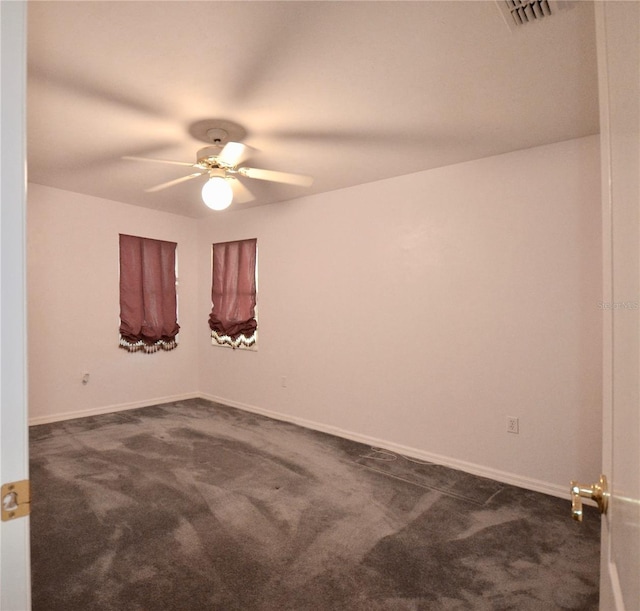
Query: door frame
{"type": "Point", "coordinates": [15, 581]}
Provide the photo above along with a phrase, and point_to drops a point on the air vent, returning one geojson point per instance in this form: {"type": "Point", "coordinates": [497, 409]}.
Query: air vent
{"type": "Point", "coordinates": [518, 13]}
{"type": "Point", "coordinates": [525, 11]}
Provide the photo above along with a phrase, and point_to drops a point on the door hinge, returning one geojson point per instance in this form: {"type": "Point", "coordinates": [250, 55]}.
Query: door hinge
{"type": "Point", "coordinates": [16, 500]}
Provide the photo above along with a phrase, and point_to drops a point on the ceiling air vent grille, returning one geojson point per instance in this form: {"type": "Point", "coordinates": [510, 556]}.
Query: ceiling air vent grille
{"type": "Point", "coordinates": [524, 11]}
{"type": "Point", "coordinates": [521, 12]}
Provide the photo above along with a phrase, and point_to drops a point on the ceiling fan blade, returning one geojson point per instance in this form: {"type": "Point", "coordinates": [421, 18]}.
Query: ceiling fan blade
{"type": "Point", "coordinates": [171, 183]}
{"type": "Point", "coordinates": [183, 163]}
{"type": "Point", "coordinates": [241, 194]}
{"type": "Point", "coordinates": [234, 153]}
{"type": "Point", "coordinates": [284, 177]}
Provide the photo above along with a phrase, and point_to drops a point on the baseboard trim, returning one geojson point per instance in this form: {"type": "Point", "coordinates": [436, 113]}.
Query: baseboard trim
{"type": "Point", "coordinates": [107, 409]}
{"type": "Point", "coordinates": [446, 461]}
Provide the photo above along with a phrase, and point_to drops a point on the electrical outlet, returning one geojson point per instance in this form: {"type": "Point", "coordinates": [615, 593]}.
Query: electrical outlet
{"type": "Point", "coordinates": [513, 425]}
{"type": "Point", "coordinates": [283, 381]}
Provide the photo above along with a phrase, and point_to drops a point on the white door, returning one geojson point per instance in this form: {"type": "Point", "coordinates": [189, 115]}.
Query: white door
{"type": "Point", "coordinates": [618, 29]}
{"type": "Point", "coordinates": [14, 533]}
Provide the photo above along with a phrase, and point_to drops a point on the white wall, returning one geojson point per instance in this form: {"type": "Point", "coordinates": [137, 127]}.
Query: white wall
{"type": "Point", "coordinates": [73, 307]}
{"type": "Point", "coordinates": [422, 310]}
{"type": "Point", "coordinates": [416, 312]}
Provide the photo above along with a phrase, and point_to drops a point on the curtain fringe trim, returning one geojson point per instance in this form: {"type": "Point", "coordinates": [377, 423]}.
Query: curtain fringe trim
{"type": "Point", "coordinates": [241, 340]}
{"type": "Point", "coordinates": [140, 346]}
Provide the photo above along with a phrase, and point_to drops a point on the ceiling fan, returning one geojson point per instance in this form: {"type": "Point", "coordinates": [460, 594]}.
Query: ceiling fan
{"type": "Point", "coordinates": [221, 162]}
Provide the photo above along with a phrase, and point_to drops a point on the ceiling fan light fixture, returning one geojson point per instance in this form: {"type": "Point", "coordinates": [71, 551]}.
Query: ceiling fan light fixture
{"type": "Point", "coordinates": [217, 193]}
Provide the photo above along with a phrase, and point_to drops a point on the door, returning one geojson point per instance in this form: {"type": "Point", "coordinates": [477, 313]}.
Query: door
{"type": "Point", "coordinates": [618, 39]}
{"type": "Point", "coordinates": [14, 533]}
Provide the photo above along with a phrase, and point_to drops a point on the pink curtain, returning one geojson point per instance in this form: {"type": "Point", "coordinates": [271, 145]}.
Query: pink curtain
{"type": "Point", "coordinates": [233, 293]}
{"type": "Point", "coordinates": [148, 317]}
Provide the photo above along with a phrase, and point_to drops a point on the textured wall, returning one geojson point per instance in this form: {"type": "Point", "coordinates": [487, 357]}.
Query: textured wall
{"type": "Point", "coordinates": [423, 310]}
{"type": "Point", "coordinates": [418, 312]}
{"type": "Point", "coordinates": [73, 306]}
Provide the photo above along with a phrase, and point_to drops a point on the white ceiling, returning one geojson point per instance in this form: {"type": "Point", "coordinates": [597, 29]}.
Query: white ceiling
{"type": "Point", "coordinates": [348, 92]}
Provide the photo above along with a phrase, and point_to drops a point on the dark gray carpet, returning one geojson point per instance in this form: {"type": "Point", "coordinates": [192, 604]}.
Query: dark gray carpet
{"type": "Point", "coordinates": [193, 506]}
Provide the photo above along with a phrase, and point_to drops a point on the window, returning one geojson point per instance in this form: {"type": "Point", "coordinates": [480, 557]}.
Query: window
{"type": "Point", "coordinates": [233, 294]}
{"type": "Point", "coordinates": [148, 305]}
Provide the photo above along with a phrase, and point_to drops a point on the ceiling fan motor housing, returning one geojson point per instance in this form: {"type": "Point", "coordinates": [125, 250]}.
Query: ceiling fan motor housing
{"type": "Point", "coordinates": [207, 156]}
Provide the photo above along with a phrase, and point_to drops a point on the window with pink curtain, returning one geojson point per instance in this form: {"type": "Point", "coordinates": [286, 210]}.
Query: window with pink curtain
{"type": "Point", "coordinates": [233, 294]}
{"type": "Point", "coordinates": [148, 309]}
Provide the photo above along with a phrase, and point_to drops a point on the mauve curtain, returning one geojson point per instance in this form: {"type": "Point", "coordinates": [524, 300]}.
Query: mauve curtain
{"type": "Point", "coordinates": [148, 317]}
{"type": "Point", "coordinates": [233, 293]}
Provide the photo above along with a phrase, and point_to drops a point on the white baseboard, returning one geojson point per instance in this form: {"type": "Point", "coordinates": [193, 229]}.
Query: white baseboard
{"type": "Point", "coordinates": [107, 409]}
{"type": "Point", "coordinates": [446, 461]}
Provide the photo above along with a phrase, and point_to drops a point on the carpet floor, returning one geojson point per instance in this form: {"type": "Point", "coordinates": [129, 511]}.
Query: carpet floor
{"type": "Point", "coordinates": [193, 506]}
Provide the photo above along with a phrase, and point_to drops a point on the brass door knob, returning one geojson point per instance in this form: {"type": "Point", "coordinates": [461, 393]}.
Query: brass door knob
{"type": "Point", "coordinates": [597, 492]}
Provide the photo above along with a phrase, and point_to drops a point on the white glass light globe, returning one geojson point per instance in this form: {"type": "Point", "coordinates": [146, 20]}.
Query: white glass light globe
{"type": "Point", "coordinates": [217, 193]}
